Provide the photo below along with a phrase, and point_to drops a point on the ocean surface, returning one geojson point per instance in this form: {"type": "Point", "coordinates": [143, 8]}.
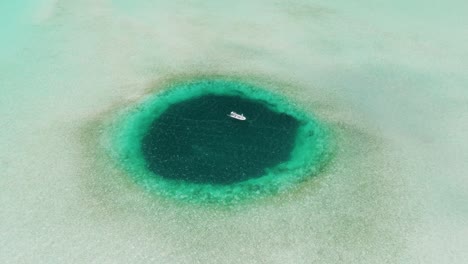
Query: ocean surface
{"type": "Point", "coordinates": [389, 78]}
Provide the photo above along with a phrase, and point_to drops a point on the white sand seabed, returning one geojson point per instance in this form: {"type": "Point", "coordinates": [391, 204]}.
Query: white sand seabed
{"type": "Point", "coordinates": [389, 79]}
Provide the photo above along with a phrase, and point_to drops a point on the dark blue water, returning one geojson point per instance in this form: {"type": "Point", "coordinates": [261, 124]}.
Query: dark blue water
{"type": "Point", "coordinates": [195, 140]}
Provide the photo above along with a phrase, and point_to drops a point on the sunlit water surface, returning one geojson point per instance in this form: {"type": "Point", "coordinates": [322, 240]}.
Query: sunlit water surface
{"type": "Point", "coordinates": [388, 78]}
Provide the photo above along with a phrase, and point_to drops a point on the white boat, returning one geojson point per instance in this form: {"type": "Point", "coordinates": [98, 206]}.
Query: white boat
{"type": "Point", "coordinates": [237, 116]}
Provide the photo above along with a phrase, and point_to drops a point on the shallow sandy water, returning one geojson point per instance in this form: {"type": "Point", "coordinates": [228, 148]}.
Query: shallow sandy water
{"type": "Point", "coordinates": [389, 78]}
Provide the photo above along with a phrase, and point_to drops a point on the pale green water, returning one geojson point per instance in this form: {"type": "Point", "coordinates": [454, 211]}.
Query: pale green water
{"type": "Point", "coordinates": [389, 77]}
